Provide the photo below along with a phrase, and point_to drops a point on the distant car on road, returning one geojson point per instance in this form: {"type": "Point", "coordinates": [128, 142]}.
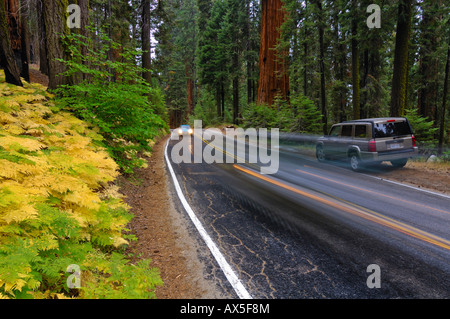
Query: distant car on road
{"type": "Point", "coordinates": [369, 141]}
{"type": "Point", "coordinates": [185, 130]}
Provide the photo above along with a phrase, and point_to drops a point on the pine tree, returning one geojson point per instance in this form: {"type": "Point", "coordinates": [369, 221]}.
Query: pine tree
{"type": "Point", "coordinates": [323, 103]}
{"type": "Point", "coordinates": [213, 56]}
{"type": "Point", "coordinates": [399, 93]}
{"type": "Point", "coordinates": [146, 40]}
{"type": "Point", "coordinates": [355, 63]}
{"type": "Point", "coordinates": [429, 60]}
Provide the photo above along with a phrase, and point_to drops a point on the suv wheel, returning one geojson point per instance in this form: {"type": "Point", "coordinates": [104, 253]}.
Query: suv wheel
{"type": "Point", "coordinates": [320, 154]}
{"type": "Point", "coordinates": [355, 162]}
{"type": "Point", "coordinates": [399, 163]}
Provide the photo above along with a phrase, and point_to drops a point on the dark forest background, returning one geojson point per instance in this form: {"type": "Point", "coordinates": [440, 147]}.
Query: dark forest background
{"type": "Point", "coordinates": [297, 65]}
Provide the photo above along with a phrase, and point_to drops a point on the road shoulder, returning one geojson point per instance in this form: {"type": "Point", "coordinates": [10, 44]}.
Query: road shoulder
{"type": "Point", "coordinates": [163, 233]}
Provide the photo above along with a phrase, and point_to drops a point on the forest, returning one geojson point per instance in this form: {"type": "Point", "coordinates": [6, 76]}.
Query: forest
{"type": "Point", "coordinates": [119, 74]}
{"type": "Point", "coordinates": [291, 64]}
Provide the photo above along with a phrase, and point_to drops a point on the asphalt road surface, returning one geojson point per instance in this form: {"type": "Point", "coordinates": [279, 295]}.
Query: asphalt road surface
{"type": "Point", "coordinates": [316, 230]}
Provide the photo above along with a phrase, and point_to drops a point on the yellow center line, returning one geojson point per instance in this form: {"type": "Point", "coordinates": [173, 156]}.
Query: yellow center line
{"type": "Point", "coordinates": [373, 192]}
{"type": "Point", "coordinates": [359, 211]}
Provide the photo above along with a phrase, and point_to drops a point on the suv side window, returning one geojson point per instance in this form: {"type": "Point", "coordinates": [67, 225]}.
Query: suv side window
{"type": "Point", "coordinates": [361, 131]}
{"type": "Point", "coordinates": [335, 131]}
{"type": "Point", "coordinates": [346, 130]}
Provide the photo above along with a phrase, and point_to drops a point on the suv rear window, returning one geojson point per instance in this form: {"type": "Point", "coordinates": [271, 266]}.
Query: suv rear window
{"type": "Point", "coordinates": [392, 129]}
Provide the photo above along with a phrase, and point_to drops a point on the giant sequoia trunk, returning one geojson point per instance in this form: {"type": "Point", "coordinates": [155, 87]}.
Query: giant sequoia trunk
{"type": "Point", "coordinates": [399, 93]}
{"type": "Point", "coordinates": [188, 69]}
{"type": "Point", "coordinates": [146, 41]}
{"type": "Point", "coordinates": [429, 61]}
{"type": "Point", "coordinates": [43, 62]}
{"type": "Point", "coordinates": [355, 65]}
{"type": "Point", "coordinates": [273, 78]}
{"type": "Point", "coordinates": [24, 41]}
{"type": "Point", "coordinates": [444, 101]}
{"type": "Point", "coordinates": [54, 13]}
{"type": "Point", "coordinates": [7, 59]}
{"type": "Point", "coordinates": [323, 101]}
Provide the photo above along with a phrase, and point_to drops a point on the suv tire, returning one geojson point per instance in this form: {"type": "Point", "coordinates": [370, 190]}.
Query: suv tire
{"type": "Point", "coordinates": [320, 154]}
{"type": "Point", "coordinates": [355, 161]}
{"type": "Point", "coordinates": [399, 163]}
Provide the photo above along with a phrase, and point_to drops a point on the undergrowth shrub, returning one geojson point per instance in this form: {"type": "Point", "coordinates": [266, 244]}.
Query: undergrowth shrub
{"type": "Point", "coordinates": [114, 97]}
{"type": "Point", "coordinates": [300, 115]}
{"type": "Point", "coordinates": [424, 129]}
{"type": "Point", "coordinates": [58, 205]}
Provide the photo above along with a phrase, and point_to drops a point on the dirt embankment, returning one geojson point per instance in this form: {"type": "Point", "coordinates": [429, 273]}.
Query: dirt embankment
{"type": "Point", "coordinates": [427, 175]}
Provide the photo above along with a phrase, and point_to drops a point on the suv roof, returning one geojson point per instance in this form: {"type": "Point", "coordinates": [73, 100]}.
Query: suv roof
{"type": "Point", "coordinates": [376, 120]}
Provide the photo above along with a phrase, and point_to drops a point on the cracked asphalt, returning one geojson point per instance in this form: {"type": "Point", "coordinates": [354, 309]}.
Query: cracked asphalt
{"type": "Point", "coordinates": [287, 245]}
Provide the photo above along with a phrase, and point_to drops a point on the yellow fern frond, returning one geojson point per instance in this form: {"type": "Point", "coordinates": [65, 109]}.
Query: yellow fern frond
{"type": "Point", "coordinates": [85, 199]}
{"type": "Point", "coordinates": [18, 171]}
{"type": "Point", "coordinates": [13, 129]}
{"type": "Point", "coordinates": [23, 212]}
{"type": "Point", "coordinates": [27, 144]}
{"type": "Point", "coordinates": [6, 118]}
{"type": "Point", "coordinates": [119, 241]}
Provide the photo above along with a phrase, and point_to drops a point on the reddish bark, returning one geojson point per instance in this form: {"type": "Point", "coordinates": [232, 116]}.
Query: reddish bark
{"type": "Point", "coordinates": [273, 79]}
{"type": "Point", "coordinates": [189, 87]}
{"type": "Point", "coordinates": [7, 59]}
{"type": "Point", "coordinates": [12, 9]}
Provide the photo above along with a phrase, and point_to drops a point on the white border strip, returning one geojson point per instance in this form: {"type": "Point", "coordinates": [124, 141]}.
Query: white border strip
{"type": "Point", "coordinates": [409, 186]}
{"type": "Point", "coordinates": [226, 268]}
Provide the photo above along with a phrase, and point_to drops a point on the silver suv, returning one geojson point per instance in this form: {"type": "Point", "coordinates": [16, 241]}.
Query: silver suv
{"type": "Point", "coordinates": [369, 141]}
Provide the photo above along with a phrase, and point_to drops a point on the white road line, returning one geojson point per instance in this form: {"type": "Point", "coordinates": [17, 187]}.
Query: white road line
{"type": "Point", "coordinates": [409, 186]}
{"type": "Point", "coordinates": [224, 265]}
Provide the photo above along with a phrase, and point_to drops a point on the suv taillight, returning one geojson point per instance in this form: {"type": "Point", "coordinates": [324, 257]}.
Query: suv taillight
{"type": "Point", "coordinates": [372, 146]}
{"type": "Point", "coordinates": [413, 141]}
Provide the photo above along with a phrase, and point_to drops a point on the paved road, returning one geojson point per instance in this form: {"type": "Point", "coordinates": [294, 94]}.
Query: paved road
{"type": "Point", "coordinates": [311, 230]}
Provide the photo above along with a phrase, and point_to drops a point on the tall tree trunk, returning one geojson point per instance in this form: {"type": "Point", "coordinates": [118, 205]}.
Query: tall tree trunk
{"type": "Point", "coordinates": [323, 101]}
{"type": "Point", "coordinates": [305, 60]}
{"type": "Point", "coordinates": [399, 94]}
{"type": "Point", "coordinates": [444, 101]}
{"type": "Point", "coordinates": [55, 26]}
{"type": "Point", "coordinates": [43, 61]}
{"type": "Point", "coordinates": [340, 65]}
{"type": "Point", "coordinates": [83, 31]}
{"type": "Point", "coordinates": [235, 86]}
{"type": "Point", "coordinates": [13, 17]}
{"type": "Point", "coordinates": [218, 102]}
{"type": "Point", "coordinates": [25, 40]}
{"type": "Point", "coordinates": [235, 100]}
{"type": "Point", "coordinates": [146, 41]}
{"type": "Point", "coordinates": [248, 48]}
{"type": "Point", "coordinates": [273, 77]}
{"type": "Point", "coordinates": [189, 86]}
{"type": "Point", "coordinates": [7, 59]}
{"type": "Point", "coordinates": [429, 62]}
{"type": "Point", "coordinates": [355, 65]}
{"type": "Point", "coordinates": [222, 99]}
